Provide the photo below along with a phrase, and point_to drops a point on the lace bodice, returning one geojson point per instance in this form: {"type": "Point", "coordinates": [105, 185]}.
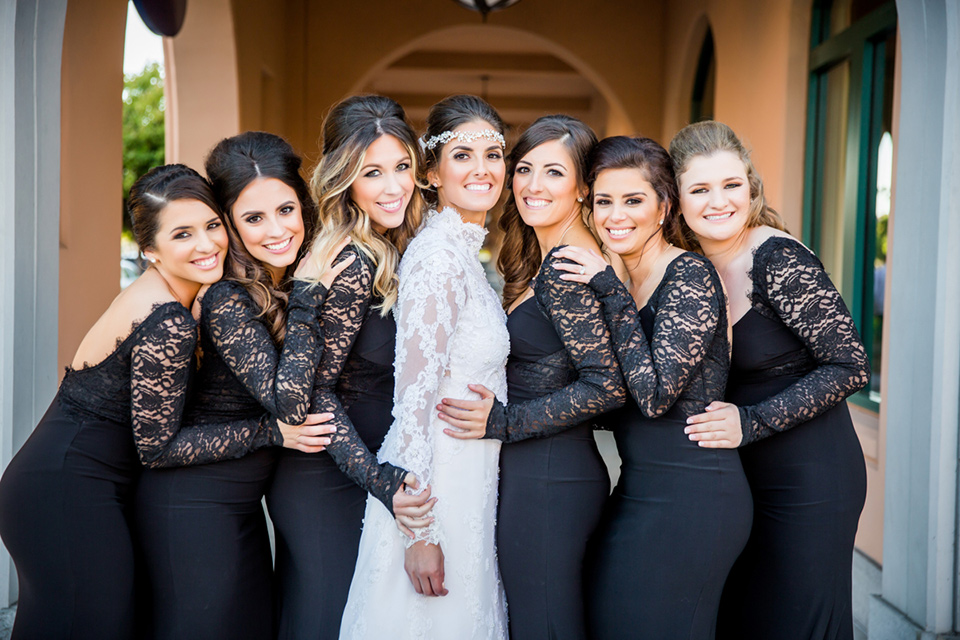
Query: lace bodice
{"type": "Point", "coordinates": [342, 315]}
{"type": "Point", "coordinates": [791, 286]}
{"type": "Point", "coordinates": [451, 331]}
{"type": "Point", "coordinates": [580, 381]}
{"type": "Point", "coordinates": [144, 383]}
{"type": "Point", "coordinates": [684, 359]}
{"type": "Point", "coordinates": [279, 380]}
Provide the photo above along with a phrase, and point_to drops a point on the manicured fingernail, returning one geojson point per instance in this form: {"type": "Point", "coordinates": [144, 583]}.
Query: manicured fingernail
{"type": "Point", "coordinates": [686, 430]}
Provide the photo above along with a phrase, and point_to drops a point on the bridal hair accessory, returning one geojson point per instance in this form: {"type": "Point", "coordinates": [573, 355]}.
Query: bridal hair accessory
{"type": "Point", "coordinates": [462, 136]}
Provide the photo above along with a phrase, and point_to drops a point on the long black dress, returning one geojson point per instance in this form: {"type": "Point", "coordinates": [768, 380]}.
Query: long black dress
{"type": "Point", "coordinates": [66, 497]}
{"type": "Point", "coordinates": [680, 513]}
{"type": "Point", "coordinates": [796, 356]}
{"type": "Point", "coordinates": [317, 509]}
{"type": "Point", "coordinates": [202, 529]}
{"type": "Point", "coordinates": [561, 373]}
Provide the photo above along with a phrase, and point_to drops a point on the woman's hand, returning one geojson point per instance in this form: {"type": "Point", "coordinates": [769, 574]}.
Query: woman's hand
{"type": "Point", "coordinates": [411, 511]}
{"type": "Point", "coordinates": [468, 416]}
{"type": "Point", "coordinates": [308, 437]}
{"type": "Point", "coordinates": [718, 428]}
{"type": "Point", "coordinates": [326, 273]}
{"type": "Point", "coordinates": [423, 563]}
{"type": "Point", "coordinates": [587, 263]}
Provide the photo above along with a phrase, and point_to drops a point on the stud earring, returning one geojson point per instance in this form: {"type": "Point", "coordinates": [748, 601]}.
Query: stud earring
{"type": "Point", "coordinates": [435, 185]}
{"type": "Point", "coordinates": [579, 199]}
{"type": "Point", "coordinates": [661, 222]}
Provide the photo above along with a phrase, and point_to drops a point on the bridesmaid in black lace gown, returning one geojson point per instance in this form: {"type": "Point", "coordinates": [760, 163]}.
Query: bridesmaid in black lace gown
{"type": "Point", "coordinates": [561, 373]}
{"type": "Point", "coordinates": [202, 529]}
{"type": "Point", "coordinates": [680, 514]}
{"type": "Point", "coordinates": [65, 498]}
{"type": "Point", "coordinates": [365, 185]}
{"type": "Point", "coordinates": [796, 357]}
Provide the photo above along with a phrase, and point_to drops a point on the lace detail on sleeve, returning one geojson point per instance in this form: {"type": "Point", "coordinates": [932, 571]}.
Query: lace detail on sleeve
{"type": "Point", "coordinates": [342, 315]}
{"type": "Point", "coordinates": [430, 296]}
{"type": "Point", "coordinates": [689, 306]}
{"type": "Point", "coordinates": [577, 315]}
{"type": "Point", "coordinates": [791, 281]}
{"type": "Point", "coordinates": [160, 365]}
{"type": "Point", "coordinates": [280, 382]}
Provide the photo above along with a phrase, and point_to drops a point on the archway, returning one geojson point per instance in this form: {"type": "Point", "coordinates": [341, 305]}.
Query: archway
{"type": "Point", "coordinates": [522, 74]}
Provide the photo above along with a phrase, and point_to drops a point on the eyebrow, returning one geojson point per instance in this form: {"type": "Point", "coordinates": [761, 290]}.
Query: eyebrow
{"type": "Point", "coordinates": [549, 164]}
{"type": "Point", "coordinates": [284, 204]}
{"type": "Point", "coordinates": [703, 184]}
{"type": "Point", "coordinates": [180, 228]}
{"type": "Point", "coordinates": [626, 195]}
{"type": "Point", "coordinates": [374, 165]}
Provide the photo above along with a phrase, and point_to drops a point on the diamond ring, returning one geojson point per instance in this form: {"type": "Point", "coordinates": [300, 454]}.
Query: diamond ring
{"type": "Point", "coordinates": [583, 270]}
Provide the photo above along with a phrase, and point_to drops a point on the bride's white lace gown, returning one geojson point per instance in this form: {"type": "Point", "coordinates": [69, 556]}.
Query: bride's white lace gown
{"type": "Point", "coordinates": [451, 331]}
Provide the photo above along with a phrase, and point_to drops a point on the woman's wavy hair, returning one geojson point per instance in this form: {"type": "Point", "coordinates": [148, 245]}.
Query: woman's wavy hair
{"type": "Point", "coordinates": [520, 258]}
{"type": "Point", "coordinates": [231, 166]}
{"type": "Point", "coordinates": [447, 115]}
{"type": "Point", "coordinates": [654, 164]}
{"type": "Point", "coordinates": [349, 129]}
{"type": "Point", "coordinates": [157, 188]}
{"type": "Point", "coordinates": [705, 139]}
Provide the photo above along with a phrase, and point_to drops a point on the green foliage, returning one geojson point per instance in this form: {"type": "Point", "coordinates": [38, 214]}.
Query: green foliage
{"type": "Point", "coordinates": [882, 224]}
{"type": "Point", "coordinates": [143, 129]}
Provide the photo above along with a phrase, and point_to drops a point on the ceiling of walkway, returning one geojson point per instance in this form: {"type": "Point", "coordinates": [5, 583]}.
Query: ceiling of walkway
{"type": "Point", "coordinates": [520, 77]}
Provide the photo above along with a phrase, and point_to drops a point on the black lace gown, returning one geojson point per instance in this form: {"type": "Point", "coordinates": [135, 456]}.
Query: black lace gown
{"type": "Point", "coordinates": [66, 497]}
{"type": "Point", "coordinates": [317, 508]}
{"type": "Point", "coordinates": [680, 513]}
{"type": "Point", "coordinates": [561, 373]}
{"type": "Point", "coordinates": [796, 357]}
{"type": "Point", "coordinates": [202, 529]}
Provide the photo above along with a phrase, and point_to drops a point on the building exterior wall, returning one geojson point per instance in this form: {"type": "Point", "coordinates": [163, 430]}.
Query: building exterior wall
{"type": "Point", "coordinates": [91, 167]}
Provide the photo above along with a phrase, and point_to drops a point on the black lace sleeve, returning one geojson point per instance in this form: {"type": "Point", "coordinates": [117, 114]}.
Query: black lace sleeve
{"type": "Point", "coordinates": [342, 315]}
{"type": "Point", "coordinates": [689, 305]}
{"type": "Point", "coordinates": [160, 365]}
{"type": "Point", "coordinates": [577, 315]}
{"type": "Point", "coordinates": [790, 280]}
{"type": "Point", "coordinates": [279, 381]}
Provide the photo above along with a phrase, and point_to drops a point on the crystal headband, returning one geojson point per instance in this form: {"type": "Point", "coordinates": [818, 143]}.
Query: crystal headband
{"type": "Point", "coordinates": [462, 136]}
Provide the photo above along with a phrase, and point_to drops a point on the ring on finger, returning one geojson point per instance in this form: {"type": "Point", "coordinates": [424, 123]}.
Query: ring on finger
{"type": "Point", "coordinates": [583, 270]}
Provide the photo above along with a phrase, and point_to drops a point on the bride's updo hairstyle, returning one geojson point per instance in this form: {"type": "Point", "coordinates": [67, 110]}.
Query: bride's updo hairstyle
{"type": "Point", "coordinates": [520, 258]}
{"type": "Point", "coordinates": [705, 139]}
{"type": "Point", "coordinates": [157, 188]}
{"type": "Point", "coordinates": [348, 131]}
{"type": "Point", "coordinates": [447, 115]}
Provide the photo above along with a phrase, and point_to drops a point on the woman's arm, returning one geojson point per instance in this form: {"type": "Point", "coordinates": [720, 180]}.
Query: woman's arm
{"type": "Point", "coordinates": [577, 316]}
{"type": "Point", "coordinates": [342, 316]}
{"type": "Point", "coordinates": [161, 360]}
{"type": "Point", "coordinates": [428, 303]}
{"type": "Point", "coordinates": [792, 282]}
{"type": "Point", "coordinates": [280, 380]}
{"type": "Point", "coordinates": [690, 305]}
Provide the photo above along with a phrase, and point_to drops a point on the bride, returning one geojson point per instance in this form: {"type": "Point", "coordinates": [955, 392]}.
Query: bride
{"type": "Point", "coordinates": [451, 331]}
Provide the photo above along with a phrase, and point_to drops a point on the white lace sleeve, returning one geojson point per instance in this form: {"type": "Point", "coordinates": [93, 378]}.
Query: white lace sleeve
{"type": "Point", "coordinates": [431, 292]}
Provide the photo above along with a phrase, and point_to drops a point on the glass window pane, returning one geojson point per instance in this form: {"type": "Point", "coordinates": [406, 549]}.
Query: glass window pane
{"type": "Point", "coordinates": [833, 176]}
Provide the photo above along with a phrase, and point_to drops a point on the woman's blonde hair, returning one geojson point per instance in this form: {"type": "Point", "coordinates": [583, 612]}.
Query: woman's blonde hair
{"type": "Point", "coordinates": [348, 131]}
{"type": "Point", "coordinates": [705, 139]}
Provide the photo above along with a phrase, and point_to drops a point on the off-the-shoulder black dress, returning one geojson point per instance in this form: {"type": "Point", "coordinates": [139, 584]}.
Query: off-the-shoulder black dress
{"type": "Point", "coordinates": [796, 356]}
{"type": "Point", "coordinates": [317, 508]}
{"type": "Point", "coordinates": [561, 373]}
{"type": "Point", "coordinates": [680, 513]}
{"type": "Point", "coordinates": [66, 497]}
